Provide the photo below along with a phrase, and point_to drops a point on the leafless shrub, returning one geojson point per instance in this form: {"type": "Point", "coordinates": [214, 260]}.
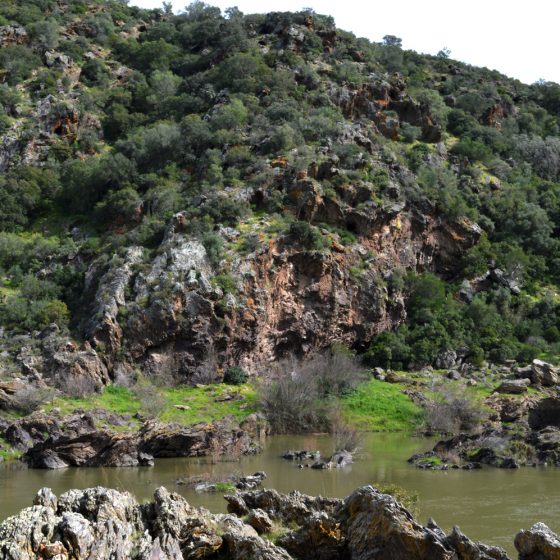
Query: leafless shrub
{"type": "Point", "coordinates": [31, 397]}
{"type": "Point", "coordinates": [294, 400]}
{"type": "Point", "coordinates": [208, 372]}
{"type": "Point", "coordinates": [151, 401]}
{"type": "Point", "coordinates": [450, 457]}
{"type": "Point", "coordinates": [77, 386]}
{"type": "Point", "coordinates": [346, 437]}
{"type": "Point", "coordinates": [291, 405]}
{"type": "Point", "coordinates": [452, 412]}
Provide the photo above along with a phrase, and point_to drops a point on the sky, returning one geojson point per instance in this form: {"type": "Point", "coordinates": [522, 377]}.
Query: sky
{"type": "Point", "coordinates": [520, 38]}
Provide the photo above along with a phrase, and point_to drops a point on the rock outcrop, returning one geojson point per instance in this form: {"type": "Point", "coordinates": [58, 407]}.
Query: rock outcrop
{"type": "Point", "coordinates": [90, 439]}
{"type": "Point", "coordinates": [368, 525]}
{"type": "Point", "coordinates": [284, 299]}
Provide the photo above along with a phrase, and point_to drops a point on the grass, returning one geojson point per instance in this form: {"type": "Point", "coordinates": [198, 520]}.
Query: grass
{"type": "Point", "coordinates": [381, 407]}
{"type": "Point", "coordinates": [224, 487]}
{"type": "Point", "coordinates": [114, 398]}
{"type": "Point", "coordinates": [7, 453]}
{"type": "Point", "coordinates": [201, 404]}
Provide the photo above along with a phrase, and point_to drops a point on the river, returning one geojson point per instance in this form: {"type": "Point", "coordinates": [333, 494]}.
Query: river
{"type": "Point", "coordinates": [490, 505]}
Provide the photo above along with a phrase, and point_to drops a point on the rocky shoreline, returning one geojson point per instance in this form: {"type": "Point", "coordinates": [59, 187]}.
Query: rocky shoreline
{"type": "Point", "coordinates": [98, 438]}
{"type": "Point", "coordinates": [262, 524]}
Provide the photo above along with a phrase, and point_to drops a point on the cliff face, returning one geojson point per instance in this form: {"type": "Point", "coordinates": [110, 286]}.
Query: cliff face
{"type": "Point", "coordinates": [283, 300]}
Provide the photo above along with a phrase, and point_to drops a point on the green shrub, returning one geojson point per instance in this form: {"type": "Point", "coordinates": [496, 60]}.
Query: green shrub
{"type": "Point", "coordinates": [305, 235]}
{"type": "Point", "coordinates": [235, 375]}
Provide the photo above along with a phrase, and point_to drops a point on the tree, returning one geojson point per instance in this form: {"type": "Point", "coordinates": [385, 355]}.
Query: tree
{"type": "Point", "coordinates": [392, 41]}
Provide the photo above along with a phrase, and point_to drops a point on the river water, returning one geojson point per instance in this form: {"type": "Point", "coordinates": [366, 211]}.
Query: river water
{"type": "Point", "coordinates": [490, 505]}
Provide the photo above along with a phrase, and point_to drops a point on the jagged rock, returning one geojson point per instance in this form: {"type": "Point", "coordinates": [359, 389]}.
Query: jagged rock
{"type": "Point", "coordinates": [23, 535]}
{"type": "Point", "coordinates": [508, 409]}
{"type": "Point", "coordinates": [509, 280]}
{"type": "Point", "coordinates": [368, 525]}
{"type": "Point", "coordinates": [260, 521]}
{"type": "Point", "coordinates": [45, 497]}
{"type": "Point", "coordinates": [376, 526]}
{"type": "Point", "coordinates": [78, 373]}
{"type": "Point", "coordinates": [242, 542]}
{"type": "Point", "coordinates": [513, 386]}
{"type": "Point", "coordinates": [236, 505]}
{"type": "Point", "coordinates": [77, 534]}
{"type": "Point", "coordinates": [288, 507]}
{"type": "Point", "coordinates": [109, 297]}
{"type": "Point", "coordinates": [251, 481]}
{"type": "Point", "coordinates": [320, 538]}
{"type": "Point", "coordinates": [301, 455]}
{"type": "Point", "coordinates": [547, 444]}
{"type": "Point", "coordinates": [190, 526]}
{"type": "Point", "coordinates": [538, 543]}
{"type": "Point", "coordinates": [337, 460]}
{"type": "Point", "coordinates": [467, 549]}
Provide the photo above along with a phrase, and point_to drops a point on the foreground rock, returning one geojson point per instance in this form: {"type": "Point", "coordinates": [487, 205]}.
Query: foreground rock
{"type": "Point", "coordinates": [368, 525]}
{"type": "Point", "coordinates": [539, 543]}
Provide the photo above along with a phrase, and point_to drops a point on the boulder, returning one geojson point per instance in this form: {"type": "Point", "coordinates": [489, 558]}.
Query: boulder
{"type": "Point", "coordinates": [446, 359]}
{"type": "Point", "coordinates": [538, 543]}
{"type": "Point", "coordinates": [540, 373]}
{"type": "Point", "coordinates": [513, 386]}
{"type": "Point", "coordinates": [76, 441]}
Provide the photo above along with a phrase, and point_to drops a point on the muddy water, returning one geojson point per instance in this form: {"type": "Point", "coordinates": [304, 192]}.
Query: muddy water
{"type": "Point", "coordinates": [490, 505]}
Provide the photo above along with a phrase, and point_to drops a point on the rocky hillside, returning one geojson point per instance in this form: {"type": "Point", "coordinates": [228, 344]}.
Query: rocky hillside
{"type": "Point", "coordinates": [264, 524]}
{"type": "Point", "coordinates": [185, 193]}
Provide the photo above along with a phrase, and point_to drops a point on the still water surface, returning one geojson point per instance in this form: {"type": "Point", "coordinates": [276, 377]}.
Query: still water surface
{"type": "Point", "coordinates": [490, 505]}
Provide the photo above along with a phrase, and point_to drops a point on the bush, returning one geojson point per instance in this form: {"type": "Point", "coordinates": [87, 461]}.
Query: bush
{"type": "Point", "coordinates": [31, 398]}
{"type": "Point", "coordinates": [94, 73]}
{"type": "Point", "coordinates": [305, 235]}
{"type": "Point", "coordinates": [235, 375]}
{"type": "Point", "coordinates": [151, 401]}
{"type": "Point", "coordinates": [296, 400]}
{"type": "Point", "coordinates": [451, 412]}
{"type": "Point", "coordinates": [290, 405]}
{"type": "Point", "coordinates": [345, 437]}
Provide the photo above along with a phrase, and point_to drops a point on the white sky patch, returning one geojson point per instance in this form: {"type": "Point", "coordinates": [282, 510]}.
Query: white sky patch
{"type": "Point", "coordinates": [519, 38]}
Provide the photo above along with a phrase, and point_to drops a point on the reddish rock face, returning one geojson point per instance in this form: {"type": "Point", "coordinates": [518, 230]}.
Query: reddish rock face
{"type": "Point", "coordinates": [288, 300]}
